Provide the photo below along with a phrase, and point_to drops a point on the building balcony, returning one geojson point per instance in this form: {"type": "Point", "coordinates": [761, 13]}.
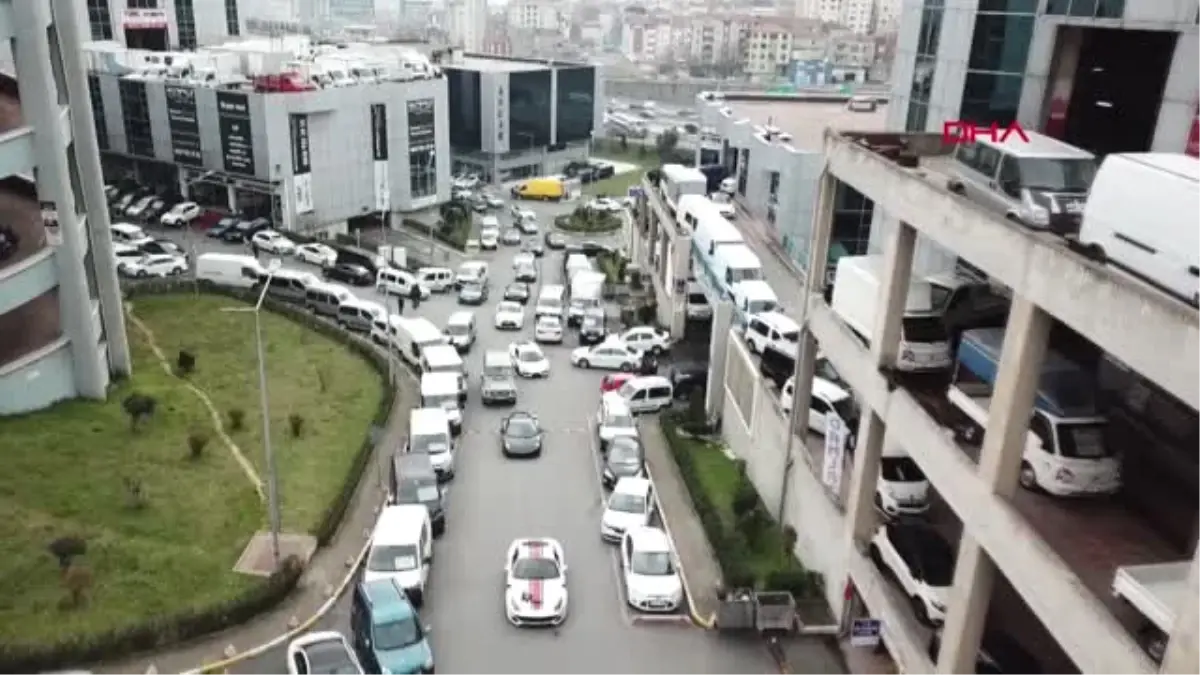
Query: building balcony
{"type": "Point", "coordinates": [29, 328]}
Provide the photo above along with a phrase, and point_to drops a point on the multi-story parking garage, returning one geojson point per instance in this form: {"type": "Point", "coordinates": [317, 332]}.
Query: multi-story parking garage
{"type": "Point", "coordinates": [61, 328]}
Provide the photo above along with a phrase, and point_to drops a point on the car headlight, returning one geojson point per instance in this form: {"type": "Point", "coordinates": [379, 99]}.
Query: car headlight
{"type": "Point", "coordinates": [512, 604]}
{"type": "Point", "coordinates": [428, 663]}
{"type": "Point", "coordinates": [561, 603]}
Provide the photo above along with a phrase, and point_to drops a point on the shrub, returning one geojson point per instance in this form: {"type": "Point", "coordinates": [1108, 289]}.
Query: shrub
{"type": "Point", "coordinates": [322, 378]}
{"type": "Point", "coordinates": [237, 419]}
{"type": "Point", "coordinates": [66, 549]}
{"type": "Point", "coordinates": [745, 499]}
{"type": "Point", "coordinates": [135, 493]}
{"type": "Point", "coordinates": [788, 538]}
{"type": "Point", "coordinates": [697, 415]}
{"type": "Point", "coordinates": [795, 580]}
{"type": "Point", "coordinates": [647, 313]}
{"type": "Point", "coordinates": [78, 581]}
{"type": "Point", "coordinates": [197, 440]}
{"type": "Point", "coordinates": [296, 424]}
{"type": "Point", "coordinates": [139, 408]}
{"type": "Point", "coordinates": [185, 363]}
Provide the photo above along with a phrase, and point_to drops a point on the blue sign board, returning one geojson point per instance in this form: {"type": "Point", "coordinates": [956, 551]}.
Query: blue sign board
{"type": "Point", "coordinates": [635, 192]}
{"type": "Point", "coordinates": [865, 632]}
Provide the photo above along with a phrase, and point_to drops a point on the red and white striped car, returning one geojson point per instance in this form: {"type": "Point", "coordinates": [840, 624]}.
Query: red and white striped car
{"type": "Point", "coordinates": [535, 592]}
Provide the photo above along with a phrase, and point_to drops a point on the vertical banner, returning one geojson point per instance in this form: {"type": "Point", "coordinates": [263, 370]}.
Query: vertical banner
{"type": "Point", "coordinates": [302, 196]}
{"type": "Point", "coordinates": [835, 452]}
{"type": "Point", "coordinates": [1192, 147]}
{"type": "Point", "coordinates": [184, 126]}
{"type": "Point", "coordinates": [379, 152]}
{"type": "Point", "coordinates": [237, 142]}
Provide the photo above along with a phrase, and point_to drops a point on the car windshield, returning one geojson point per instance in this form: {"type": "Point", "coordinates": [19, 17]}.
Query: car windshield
{"type": "Point", "coordinates": [900, 470]}
{"type": "Point", "coordinates": [393, 559]}
{"type": "Point", "coordinates": [847, 410]}
{"type": "Point", "coordinates": [620, 421]}
{"type": "Point", "coordinates": [509, 308]}
{"type": "Point", "coordinates": [652, 563]}
{"type": "Point", "coordinates": [497, 372]}
{"type": "Point", "coordinates": [411, 491]}
{"type": "Point", "coordinates": [458, 329]}
{"type": "Point", "coordinates": [472, 287]}
{"type": "Point", "coordinates": [442, 400]}
{"type": "Point", "coordinates": [627, 503]}
{"type": "Point", "coordinates": [530, 356]}
{"type": "Point", "coordinates": [329, 657]}
{"type": "Point", "coordinates": [535, 568]}
{"type": "Point", "coordinates": [1083, 441]}
{"type": "Point", "coordinates": [625, 452]}
{"type": "Point", "coordinates": [522, 427]}
{"type": "Point", "coordinates": [397, 634]}
{"type": "Point", "coordinates": [1057, 175]}
{"type": "Point", "coordinates": [431, 444]}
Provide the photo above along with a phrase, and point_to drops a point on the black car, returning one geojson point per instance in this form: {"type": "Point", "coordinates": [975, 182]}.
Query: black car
{"type": "Point", "coordinates": [247, 229]}
{"type": "Point", "coordinates": [222, 228]}
{"type": "Point", "coordinates": [414, 481]}
{"type": "Point", "coordinates": [624, 458]}
{"type": "Point", "coordinates": [155, 209]}
{"type": "Point", "coordinates": [472, 293]}
{"type": "Point", "coordinates": [998, 653]}
{"type": "Point", "coordinates": [687, 377]}
{"type": "Point", "coordinates": [591, 328]}
{"type": "Point", "coordinates": [555, 241]}
{"type": "Point", "coordinates": [602, 170]}
{"type": "Point", "coordinates": [348, 273]}
{"type": "Point", "coordinates": [521, 435]}
{"type": "Point", "coordinates": [162, 246]}
{"type": "Point", "coordinates": [534, 248]}
{"type": "Point", "coordinates": [518, 292]}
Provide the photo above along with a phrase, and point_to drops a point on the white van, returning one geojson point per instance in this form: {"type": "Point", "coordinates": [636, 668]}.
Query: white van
{"type": "Point", "coordinates": [436, 279]}
{"type": "Point", "coordinates": [402, 549]}
{"type": "Point", "coordinates": [384, 329]}
{"type": "Point", "coordinates": [415, 334]}
{"type": "Point", "coordinates": [391, 281]}
{"type": "Point", "coordinates": [360, 315]}
{"type": "Point", "coordinates": [647, 394]}
{"type": "Point", "coordinates": [487, 223]}
{"type": "Point", "coordinates": [440, 390]}
{"type": "Point", "coordinates": [924, 340]}
{"type": "Point", "coordinates": [1141, 216]}
{"type": "Point", "coordinates": [735, 263]}
{"type": "Point", "coordinates": [775, 329]}
{"type": "Point", "coordinates": [550, 302]}
{"type": "Point", "coordinates": [228, 269]}
{"type": "Point", "coordinates": [711, 230]}
{"type": "Point", "coordinates": [460, 330]}
{"type": "Point", "coordinates": [429, 434]}
{"type": "Point", "coordinates": [126, 233]}
{"type": "Point", "coordinates": [697, 306]}
{"type": "Point", "coordinates": [475, 271]}
{"type": "Point", "coordinates": [827, 398]}
{"type": "Point", "coordinates": [323, 299]}
{"type": "Point", "coordinates": [576, 262]}
{"type": "Point", "coordinates": [614, 418]}
{"type": "Point", "coordinates": [1035, 180]}
{"type": "Point", "coordinates": [442, 358]}
{"type": "Point", "coordinates": [587, 292]}
{"type": "Point", "coordinates": [754, 297]}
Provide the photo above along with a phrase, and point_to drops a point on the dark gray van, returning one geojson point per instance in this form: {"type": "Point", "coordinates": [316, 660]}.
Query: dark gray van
{"type": "Point", "coordinates": [291, 286]}
{"type": "Point", "coordinates": [413, 481]}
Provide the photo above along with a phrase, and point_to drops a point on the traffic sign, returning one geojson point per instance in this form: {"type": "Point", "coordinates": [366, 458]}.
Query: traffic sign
{"type": "Point", "coordinates": [634, 192]}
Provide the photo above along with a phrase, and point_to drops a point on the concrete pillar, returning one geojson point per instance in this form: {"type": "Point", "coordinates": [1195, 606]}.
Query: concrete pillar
{"type": "Point", "coordinates": [864, 475]}
{"type": "Point", "coordinates": [42, 107]}
{"type": "Point", "coordinates": [1021, 358]}
{"type": "Point", "coordinates": [91, 177]}
{"type": "Point", "coordinates": [893, 295]}
{"type": "Point", "coordinates": [1181, 656]}
{"type": "Point", "coordinates": [231, 197]}
{"type": "Point", "coordinates": [718, 350]}
{"type": "Point", "coordinates": [185, 188]}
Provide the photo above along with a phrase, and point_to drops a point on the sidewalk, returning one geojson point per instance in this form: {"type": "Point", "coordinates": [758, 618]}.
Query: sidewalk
{"type": "Point", "coordinates": [701, 574]}
{"type": "Point", "coordinates": [325, 570]}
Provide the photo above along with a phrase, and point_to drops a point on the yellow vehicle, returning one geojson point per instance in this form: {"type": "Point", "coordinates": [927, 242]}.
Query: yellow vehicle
{"type": "Point", "coordinates": [546, 189]}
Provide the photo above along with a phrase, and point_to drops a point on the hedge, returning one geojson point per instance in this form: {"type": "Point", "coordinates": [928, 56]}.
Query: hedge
{"type": "Point", "coordinates": [164, 631]}
{"type": "Point", "coordinates": [729, 545]}
{"type": "Point", "coordinates": [590, 222]}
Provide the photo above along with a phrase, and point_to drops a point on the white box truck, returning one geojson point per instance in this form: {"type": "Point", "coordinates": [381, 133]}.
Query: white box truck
{"type": "Point", "coordinates": [1156, 591]}
{"type": "Point", "coordinates": [924, 341]}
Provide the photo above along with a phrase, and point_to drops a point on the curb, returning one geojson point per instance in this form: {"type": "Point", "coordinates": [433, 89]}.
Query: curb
{"type": "Point", "coordinates": [692, 615]}
{"type": "Point", "coordinates": [302, 627]}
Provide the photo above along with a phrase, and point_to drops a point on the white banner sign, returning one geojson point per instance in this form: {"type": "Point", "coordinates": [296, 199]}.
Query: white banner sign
{"type": "Point", "coordinates": [835, 452]}
{"type": "Point", "coordinates": [383, 191]}
{"type": "Point", "coordinates": [302, 194]}
{"type": "Point", "coordinates": [144, 18]}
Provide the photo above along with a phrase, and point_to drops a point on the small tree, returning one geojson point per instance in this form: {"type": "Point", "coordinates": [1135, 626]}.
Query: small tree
{"type": "Point", "coordinates": [139, 408]}
{"type": "Point", "coordinates": [745, 499]}
{"type": "Point", "coordinates": [186, 362]}
{"type": "Point", "coordinates": [77, 580]}
{"type": "Point", "coordinates": [135, 493]}
{"type": "Point", "coordinates": [296, 424]}
{"type": "Point", "coordinates": [624, 142]}
{"type": "Point", "coordinates": [665, 145]}
{"type": "Point", "coordinates": [237, 418]}
{"type": "Point", "coordinates": [66, 549]}
{"type": "Point", "coordinates": [322, 378]}
{"type": "Point", "coordinates": [197, 440]}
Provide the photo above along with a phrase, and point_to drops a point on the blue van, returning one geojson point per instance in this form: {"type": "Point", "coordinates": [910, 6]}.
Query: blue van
{"type": "Point", "coordinates": [387, 632]}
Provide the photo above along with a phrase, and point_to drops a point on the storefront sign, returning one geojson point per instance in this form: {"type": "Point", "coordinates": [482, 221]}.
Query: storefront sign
{"type": "Point", "coordinates": [185, 129]}
{"type": "Point", "coordinates": [301, 164]}
{"type": "Point", "coordinates": [237, 142]}
{"type": "Point", "coordinates": [141, 19]}
{"type": "Point", "coordinates": [379, 150]}
{"type": "Point", "coordinates": [422, 129]}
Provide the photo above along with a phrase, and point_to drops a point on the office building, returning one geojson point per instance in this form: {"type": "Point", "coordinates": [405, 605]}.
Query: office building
{"type": "Point", "coordinates": [162, 25]}
{"type": "Point", "coordinates": [62, 331]}
{"type": "Point", "coordinates": [513, 118]}
{"type": "Point", "coordinates": [466, 24]}
{"type": "Point", "coordinates": [367, 126]}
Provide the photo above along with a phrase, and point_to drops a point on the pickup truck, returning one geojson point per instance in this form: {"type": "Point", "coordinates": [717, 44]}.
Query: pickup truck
{"type": "Point", "coordinates": [1156, 591]}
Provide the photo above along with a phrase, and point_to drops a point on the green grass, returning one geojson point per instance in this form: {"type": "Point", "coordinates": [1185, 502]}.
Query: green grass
{"type": "Point", "coordinates": [617, 186]}
{"type": "Point", "coordinates": [718, 477]}
{"type": "Point", "coordinates": [64, 470]}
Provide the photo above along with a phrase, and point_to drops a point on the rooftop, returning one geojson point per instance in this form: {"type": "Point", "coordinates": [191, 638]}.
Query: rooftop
{"type": "Point", "coordinates": [806, 121]}
{"type": "Point", "coordinates": [489, 65]}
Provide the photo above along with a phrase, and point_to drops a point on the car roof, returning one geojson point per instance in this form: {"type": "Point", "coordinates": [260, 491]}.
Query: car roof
{"type": "Point", "coordinates": [399, 523]}
{"type": "Point", "coordinates": [614, 401]}
{"type": "Point", "coordinates": [460, 317]}
{"type": "Point", "coordinates": [650, 539]}
{"type": "Point", "coordinates": [388, 602]}
{"type": "Point", "coordinates": [828, 390]}
{"type": "Point", "coordinates": [631, 485]}
{"type": "Point", "coordinates": [778, 320]}
{"type": "Point", "coordinates": [649, 381]}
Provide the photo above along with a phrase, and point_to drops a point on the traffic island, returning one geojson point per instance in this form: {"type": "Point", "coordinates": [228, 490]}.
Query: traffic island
{"type": "Point", "coordinates": [588, 221]}
{"type": "Point", "coordinates": [123, 519]}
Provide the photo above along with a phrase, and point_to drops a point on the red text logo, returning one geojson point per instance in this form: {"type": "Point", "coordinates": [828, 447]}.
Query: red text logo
{"type": "Point", "coordinates": [958, 132]}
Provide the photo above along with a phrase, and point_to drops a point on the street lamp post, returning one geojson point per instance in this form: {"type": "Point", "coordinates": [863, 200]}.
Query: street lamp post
{"type": "Point", "coordinates": [188, 235]}
{"type": "Point", "coordinates": [265, 404]}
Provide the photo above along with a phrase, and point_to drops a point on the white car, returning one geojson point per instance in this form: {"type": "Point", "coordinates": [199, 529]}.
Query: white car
{"type": "Point", "coordinates": [154, 265]}
{"type": "Point", "coordinates": [535, 583]}
{"type": "Point", "coordinates": [180, 214]}
{"type": "Point", "coordinates": [510, 316]}
{"type": "Point", "coordinates": [604, 205]}
{"type": "Point", "coordinates": [549, 328]}
{"type": "Point", "coordinates": [523, 259]}
{"type": "Point", "coordinates": [652, 581]}
{"type": "Point", "coordinates": [489, 240]}
{"type": "Point", "coordinates": [139, 207]}
{"type": "Point", "coordinates": [125, 253]}
{"type": "Point", "coordinates": [316, 254]}
{"type": "Point", "coordinates": [322, 653]}
{"type": "Point", "coordinates": [528, 360]}
{"type": "Point", "coordinates": [608, 355]}
{"type": "Point", "coordinates": [917, 558]}
{"type": "Point", "coordinates": [647, 339]}
{"type": "Point", "coordinates": [630, 506]}
{"type": "Point", "coordinates": [270, 241]}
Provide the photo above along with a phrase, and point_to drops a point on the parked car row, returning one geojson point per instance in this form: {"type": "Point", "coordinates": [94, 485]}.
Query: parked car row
{"type": "Point", "coordinates": [141, 204]}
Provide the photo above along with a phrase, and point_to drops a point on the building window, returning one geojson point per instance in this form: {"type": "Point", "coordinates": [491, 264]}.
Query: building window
{"type": "Point", "coordinates": [991, 97]}
{"type": "Point", "coordinates": [918, 114]}
{"type": "Point", "coordinates": [931, 29]}
{"type": "Point", "coordinates": [100, 19]}
{"type": "Point", "coordinates": [996, 64]}
{"type": "Point", "coordinates": [422, 148]}
{"type": "Point", "coordinates": [422, 173]}
{"type": "Point", "coordinates": [466, 115]}
{"type": "Point", "coordinates": [135, 109]}
{"type": "Point", "coordinates": [1099, 9]}
{"type": "Point", "coordinates": [576, 113]}
{"type": "Point", "coordinates": [142, 4]}
{"type": "Point", "coordinates": [529, 108]}
{"type": "Point", "coordinates": [97, 100]}
{"type": "Point", "coordinates": [1001, 42]}
{"type": "Point", "coordinates": [231, 18]}
{"type": "Point", "coordinates": [185, 19]}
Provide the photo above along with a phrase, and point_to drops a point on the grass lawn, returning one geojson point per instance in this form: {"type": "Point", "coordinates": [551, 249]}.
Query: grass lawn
{"type": "Point", "coordinates": [617, 186]}
{"type": "Point", "coordinates": [66, 467]}
{"type": "Point", "coordinates": [718, 477]}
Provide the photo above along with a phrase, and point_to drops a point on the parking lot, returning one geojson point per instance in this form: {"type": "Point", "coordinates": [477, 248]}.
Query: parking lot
{"type": "Point", "coordinates": [494, 500]}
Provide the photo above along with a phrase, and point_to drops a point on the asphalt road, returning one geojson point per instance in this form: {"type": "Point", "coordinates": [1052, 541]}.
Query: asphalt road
{"type": "Point", "coordinates": [494, 500]}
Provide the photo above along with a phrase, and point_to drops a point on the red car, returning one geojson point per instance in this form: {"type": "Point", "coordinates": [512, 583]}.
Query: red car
{"type": "Point", "coordinates": [614, 381]}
